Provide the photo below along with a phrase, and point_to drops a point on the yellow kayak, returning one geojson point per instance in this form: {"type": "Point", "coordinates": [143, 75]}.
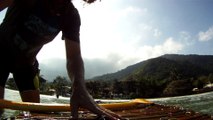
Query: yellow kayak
{"type": "Point", "coordinates": [45, 107]}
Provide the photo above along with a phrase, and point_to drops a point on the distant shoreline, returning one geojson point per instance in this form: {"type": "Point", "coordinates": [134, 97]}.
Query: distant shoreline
{"type": "Point", "coordinates": [201, 91]}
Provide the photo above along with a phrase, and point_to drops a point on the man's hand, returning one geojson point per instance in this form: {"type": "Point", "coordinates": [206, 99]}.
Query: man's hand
{"type": "Point", "coordinates": [81, 98]}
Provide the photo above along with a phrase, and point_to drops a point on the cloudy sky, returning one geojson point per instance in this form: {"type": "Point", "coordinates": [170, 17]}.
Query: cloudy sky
{"type": "Point", "coordinates": [118, 33]}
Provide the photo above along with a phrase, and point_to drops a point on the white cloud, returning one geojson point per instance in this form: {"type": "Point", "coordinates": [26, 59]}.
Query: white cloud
{"type": "Point", "coordinates": [128, 54]}
{"type": "Point", "coordinates": [169, 46]}
{"type": "Point", "coordinates": [206, 36]}
{"type": "Point", "coordinates": [157, 32]}
{"type": "Point", "coordinates": [106, 31]}
{"type": "Point", "coordinates": [54, 49]}
{"type": "Point", "coordinates": [149, 31]}
{"type": "Point", "coordinates": [132, 10]}
{"type": "Point", "coordinates": [172, 46]}
{"type": "Point", "coordinates": [186, 38]}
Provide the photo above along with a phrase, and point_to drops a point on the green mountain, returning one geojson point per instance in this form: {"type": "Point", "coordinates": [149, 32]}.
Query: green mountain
{"type": "Point", "coordinates": [120, 74]}
{"type": "Point", "coordinates": [167, 75]}
{"type": "Point", "coordinates": [160, 67]}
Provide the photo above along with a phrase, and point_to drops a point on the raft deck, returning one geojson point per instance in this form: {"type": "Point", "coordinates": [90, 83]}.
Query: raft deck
{"type": "Point", "coordinates": [139, 112]}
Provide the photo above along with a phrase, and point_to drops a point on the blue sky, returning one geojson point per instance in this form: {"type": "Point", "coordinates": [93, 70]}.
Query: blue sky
{"type": "Point", "coordinates": [118, 33]}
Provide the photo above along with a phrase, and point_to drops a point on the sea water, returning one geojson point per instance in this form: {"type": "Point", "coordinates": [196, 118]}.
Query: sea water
{"type": "Point", "coordinates": [200, 102]}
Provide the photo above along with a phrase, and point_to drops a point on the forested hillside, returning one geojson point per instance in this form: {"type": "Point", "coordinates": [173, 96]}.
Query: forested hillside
{"type": "Point", "coordinates": [190, 65]}
{"type": "Point", "coordinates": [167, 75]}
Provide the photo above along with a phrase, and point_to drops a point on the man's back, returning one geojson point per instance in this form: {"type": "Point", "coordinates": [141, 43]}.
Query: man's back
{"type": "Point", "coordinates": [26, 29]}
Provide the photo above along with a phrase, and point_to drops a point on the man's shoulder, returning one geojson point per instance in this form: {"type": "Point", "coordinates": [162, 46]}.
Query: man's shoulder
{"type": "Point", "coordinates": [71, 8]}
{"type": "Point", "coordinates": [71, 13]}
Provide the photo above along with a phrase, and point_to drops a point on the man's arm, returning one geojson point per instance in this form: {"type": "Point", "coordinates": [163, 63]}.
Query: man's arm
{"type": "Point", "coordinates": [75, 65]}
{"type": "Point", "coordinates": [4, 4]}
{"type": "Point", "coordinates": [80, 96]}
